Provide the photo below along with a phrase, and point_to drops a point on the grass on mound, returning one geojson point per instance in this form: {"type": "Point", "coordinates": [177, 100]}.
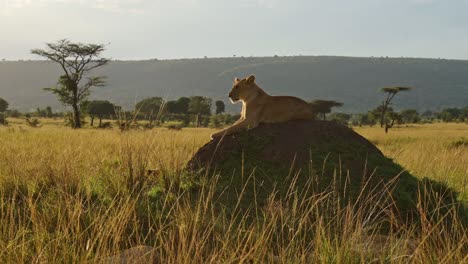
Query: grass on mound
{"type": "Point", "coordinates": [338, 166]}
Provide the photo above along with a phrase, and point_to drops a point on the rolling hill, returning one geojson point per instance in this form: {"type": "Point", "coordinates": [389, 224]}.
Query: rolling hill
{"type": "Point", "coordinates": [354, 81]}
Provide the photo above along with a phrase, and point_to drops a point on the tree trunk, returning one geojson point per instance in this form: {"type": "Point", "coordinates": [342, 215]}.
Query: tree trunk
{"type": "Point", "coordinates": [92, 121]}
{"type": "Point", "coordinates": [384, 109]}
{"type": "Point", "coordinates": [76, 116]}
{"type": "Point", "coordinates": [100, 121]}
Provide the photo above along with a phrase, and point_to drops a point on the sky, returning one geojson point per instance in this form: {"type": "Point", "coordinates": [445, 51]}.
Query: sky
{"type": "Point", "coordinates": [169, 29]}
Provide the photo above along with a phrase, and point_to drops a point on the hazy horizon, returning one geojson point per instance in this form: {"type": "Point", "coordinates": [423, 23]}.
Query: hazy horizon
{"type": "Point", "coordinates": [253, 56]}
{"type": "Point", "coordinates": [178, 29]}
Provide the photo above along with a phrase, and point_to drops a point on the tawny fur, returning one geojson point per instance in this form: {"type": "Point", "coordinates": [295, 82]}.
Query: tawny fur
{"type": "Point", "coordinates": [259, 107]}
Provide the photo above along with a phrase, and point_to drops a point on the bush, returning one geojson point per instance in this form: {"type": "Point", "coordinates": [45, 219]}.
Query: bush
{"type": "Point", "coordinates": [3, 120]}
{"type": "Point", "coordinates": [174, 125]}
{"type": "Point", "coordinates": [34, 122]}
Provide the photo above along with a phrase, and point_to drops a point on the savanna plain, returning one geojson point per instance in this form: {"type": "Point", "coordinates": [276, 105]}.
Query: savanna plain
{"type": "Point", "coordinates": [78, 196]}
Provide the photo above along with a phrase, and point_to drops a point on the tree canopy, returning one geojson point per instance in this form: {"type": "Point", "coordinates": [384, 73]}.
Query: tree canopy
{"type": "Point", "coordinates": [220, 107]}
{"type": "Point", "coordinates": [150, 107]}
{"type": "Point", "coordinates": [324, 107]}
{"type": "Point", "coordinates": [3, 105]}
{"type": "Point", "coordinates": [180, 106]}
{"type": "Point", "coordinates": [100, 109]}
{"type": "Point", "coordinates": [200, 105]}
{"type": "Point", "coordinates": [391, 92]}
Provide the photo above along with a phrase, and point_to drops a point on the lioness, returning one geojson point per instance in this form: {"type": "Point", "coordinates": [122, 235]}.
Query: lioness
{"type": "Point", "coordinates": [259, 107]}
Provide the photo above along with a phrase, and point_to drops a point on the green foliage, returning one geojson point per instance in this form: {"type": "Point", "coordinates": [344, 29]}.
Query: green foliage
{"type": "Point", "coordinates": [200, 105]}
{"type": "Point", "coordinates": [220, 107]}
{"type": "Point", "coordinates": [99, 109]}
{"type": "Point", "coordinates": [454, 114]}
{"type": "Point", "coordinates": [410, 116]}
{"type": "Point", "coordinates": [46, 112]}
{"type": "Point", "coordinates": [3, 105]}
{"type": "Point", "coordinates": [151, 108]}
{"type": "Point", "coordinates": [341, 118]}
{"type": "Point", "coordinates": [395, 90]}
{"type": "Point", "coordinates": [14, 113]}
{"type": "Point", "coordinates": [218, 121]}
{"type": "Point", "coordinates": [180, 106]}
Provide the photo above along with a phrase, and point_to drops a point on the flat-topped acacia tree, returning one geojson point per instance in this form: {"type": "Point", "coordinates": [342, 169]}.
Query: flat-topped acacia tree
{"type": "Point", "coordinates": [323, 107]}
{"type": "Point", "coordinates": [391, 92]}
{"type": "Point", "coordinates": [76, 61]}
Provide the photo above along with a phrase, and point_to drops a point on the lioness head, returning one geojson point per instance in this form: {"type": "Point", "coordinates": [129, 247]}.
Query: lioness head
{"type": "Point", "coordinates": [242, 89]}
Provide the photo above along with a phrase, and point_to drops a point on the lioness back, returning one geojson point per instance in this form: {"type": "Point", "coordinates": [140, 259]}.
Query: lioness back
{"type": "Point", "coordinates": [284, 108]}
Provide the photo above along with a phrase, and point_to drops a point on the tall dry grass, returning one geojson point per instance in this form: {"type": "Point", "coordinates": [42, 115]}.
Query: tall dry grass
{"type": "Point", "coordinates": [438, 151]}
{"type": "Point", "coordinates": [79, 196]}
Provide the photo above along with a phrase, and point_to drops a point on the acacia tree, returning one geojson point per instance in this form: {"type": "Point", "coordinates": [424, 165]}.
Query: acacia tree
{"type": "Point", "coordinates": [99, 109]}
{"type": "Point", "coordinates": [391, 92]}
{"type": "Point", "coordinates": [324, 107]}
{"type": "Point", "coordinates": [76, 61]}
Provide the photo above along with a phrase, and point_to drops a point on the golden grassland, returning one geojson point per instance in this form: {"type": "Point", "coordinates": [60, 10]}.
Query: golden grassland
{"type": "Point", "coordinates": [69, 196]}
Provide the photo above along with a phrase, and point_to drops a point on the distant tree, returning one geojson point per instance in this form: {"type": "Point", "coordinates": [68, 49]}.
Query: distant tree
{"type": "Point", "coordinates": [323, 107]}
{"type": "Point", "coordinates": [99, 109]}
{"type": "Point", "coordinates": [341, 118]}
{"type": "Point", "coordinates": [3, 108]}
{"type": "Point", "coordinates": [183, 105]}
{"type": "Point", "coordinates": [49, 112]}
{"type": "Point", "coordinates": [171, 107]}
{"type": "Point", "coordinates": [41, 112]}
{"type": "Point", "coordinates": [3, 105]}
{"type": "Point", "coordinates": [428, 115]}
{"type": "Point", "coordinates": [392, 117]}
{"type": "Point", "coordinates": [390, 92]}
{"type": "Point", "coordinates": [410, 116]}
{"type": "Point", "coordinates": [199, 106]}
{"type": "Point", "coordinates": [76, 61]}
{"type": "Point", "coordinates": [220, 107]}
{"type": "Point", "coordinates": [450, 114]}
{"type": "Point", "coordinates": [465, 113]}
{"type": "Point", "coordinates": [150, 107]}
{"type": "Point", "coordinates": [14, 113]}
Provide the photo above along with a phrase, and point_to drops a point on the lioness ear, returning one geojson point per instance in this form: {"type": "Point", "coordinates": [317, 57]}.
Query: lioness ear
{"type": "Point", "coordinates": [250, 79]}
{"type": "Point", "coordinates": [236, 80]}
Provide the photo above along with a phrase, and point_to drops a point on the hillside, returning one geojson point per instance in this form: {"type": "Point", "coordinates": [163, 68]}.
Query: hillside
{"type": "Point", "coordinates": [355, 81]}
